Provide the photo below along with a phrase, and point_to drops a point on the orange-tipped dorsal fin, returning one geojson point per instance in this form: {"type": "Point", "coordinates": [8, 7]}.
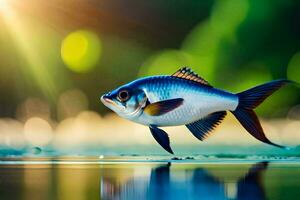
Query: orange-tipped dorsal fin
{"type": "Point", "coordinates": [188, 74]}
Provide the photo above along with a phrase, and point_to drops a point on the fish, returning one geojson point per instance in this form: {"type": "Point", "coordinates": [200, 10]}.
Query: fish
{"type": "Point", "coordinates": [185, 98]}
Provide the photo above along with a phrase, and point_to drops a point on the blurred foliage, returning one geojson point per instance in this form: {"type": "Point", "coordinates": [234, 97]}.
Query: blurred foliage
{"type": "Point", "coordinates": [233, 44]}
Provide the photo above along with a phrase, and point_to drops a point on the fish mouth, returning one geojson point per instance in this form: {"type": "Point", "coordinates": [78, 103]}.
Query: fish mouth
{"type": "Point", "coordinates": [105, 100]}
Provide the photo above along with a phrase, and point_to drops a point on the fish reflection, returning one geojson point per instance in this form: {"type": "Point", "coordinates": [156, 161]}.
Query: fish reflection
{"type": "Point", "coordinates": [166, 182]}
{"type": "Point", "coordinates": [251, 186]}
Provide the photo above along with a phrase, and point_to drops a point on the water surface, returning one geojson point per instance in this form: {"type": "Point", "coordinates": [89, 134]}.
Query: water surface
{"type": "Point", "coordinates": [148, 178]}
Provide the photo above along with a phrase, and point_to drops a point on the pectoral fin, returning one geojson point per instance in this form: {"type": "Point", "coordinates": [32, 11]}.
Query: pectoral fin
{"type": "Point", "coordinates": [203, 127]}
{"type": "Point", "coordinates": [162, 138]}
{"type": "Point", "coordinates": [162, 107]}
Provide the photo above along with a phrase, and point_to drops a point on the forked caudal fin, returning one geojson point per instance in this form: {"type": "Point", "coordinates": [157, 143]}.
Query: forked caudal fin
{"type": "Point", "coordinates": [249, 100]}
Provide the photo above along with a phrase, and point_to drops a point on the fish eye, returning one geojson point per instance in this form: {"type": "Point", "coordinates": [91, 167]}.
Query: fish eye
{"type": "Point", "coordinates": [123, 95]}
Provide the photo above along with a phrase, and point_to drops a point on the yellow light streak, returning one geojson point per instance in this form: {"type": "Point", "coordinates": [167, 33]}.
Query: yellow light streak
{"type": "Point", "coordinates": [36, 67]}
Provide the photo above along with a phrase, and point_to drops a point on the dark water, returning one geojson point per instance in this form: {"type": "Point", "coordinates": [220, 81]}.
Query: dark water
{"type": "Point", "coordinates": [78, 179]}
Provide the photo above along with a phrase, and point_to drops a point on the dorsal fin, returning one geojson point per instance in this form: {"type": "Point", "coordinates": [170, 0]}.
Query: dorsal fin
{"type": "Point", "coordinates": [188, 74]}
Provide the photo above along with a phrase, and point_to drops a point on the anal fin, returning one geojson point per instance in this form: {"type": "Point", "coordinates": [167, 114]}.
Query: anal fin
{"type": "Point", "coordinates": [162, 138]}
{"type": "Point", "coordinates": [203, 127]}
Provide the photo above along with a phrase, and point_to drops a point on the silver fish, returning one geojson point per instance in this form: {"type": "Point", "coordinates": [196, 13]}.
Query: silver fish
{"type": "Point", "coordinates": [184, 98]}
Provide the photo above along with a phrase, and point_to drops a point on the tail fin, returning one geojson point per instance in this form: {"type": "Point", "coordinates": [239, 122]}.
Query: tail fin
{"type": "Point", "coordinates": [250, 99]}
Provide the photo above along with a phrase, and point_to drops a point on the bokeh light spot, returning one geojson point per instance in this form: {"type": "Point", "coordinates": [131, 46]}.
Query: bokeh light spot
{"type": "Point", "coordinates": [33, 107]}
{"type": "Point", "coordinates": [165, 63]}
{"type": "Point", "coordinates": [3, 5]}
{"type": "Point", "coordinates": [293, 71]}
{"type": "Point", "coordinates": [70, 103]}
{"type": "Point", "coordinates": [81, 51]}
{"type": "Point", "coordinates": [37, 131]}
{"type": "Point", "coordinates": [224, 22]}
{"type": "Point", "coordinates": [11, 133]}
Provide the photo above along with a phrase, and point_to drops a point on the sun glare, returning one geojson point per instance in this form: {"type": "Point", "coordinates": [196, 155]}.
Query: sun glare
{"type": "Point", "coordinates": [3, 5]}
{"type": "Point", "coordinates": [21, 36]}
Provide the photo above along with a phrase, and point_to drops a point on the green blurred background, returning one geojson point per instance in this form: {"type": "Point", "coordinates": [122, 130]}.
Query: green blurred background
{"type": "Point", "coordinates": [57, 57]}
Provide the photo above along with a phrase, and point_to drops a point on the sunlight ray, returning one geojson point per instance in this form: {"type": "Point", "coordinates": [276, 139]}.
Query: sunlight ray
{"type": "Point", "coordinates": [37, 68]}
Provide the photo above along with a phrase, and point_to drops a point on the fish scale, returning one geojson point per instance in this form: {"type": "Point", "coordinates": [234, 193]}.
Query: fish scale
{"type": "Point", "coordinates": [199, 100]}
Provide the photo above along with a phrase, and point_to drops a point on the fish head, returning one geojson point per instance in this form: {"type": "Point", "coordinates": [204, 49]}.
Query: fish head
{"type": "Point", "coordinates": [127, 102]}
